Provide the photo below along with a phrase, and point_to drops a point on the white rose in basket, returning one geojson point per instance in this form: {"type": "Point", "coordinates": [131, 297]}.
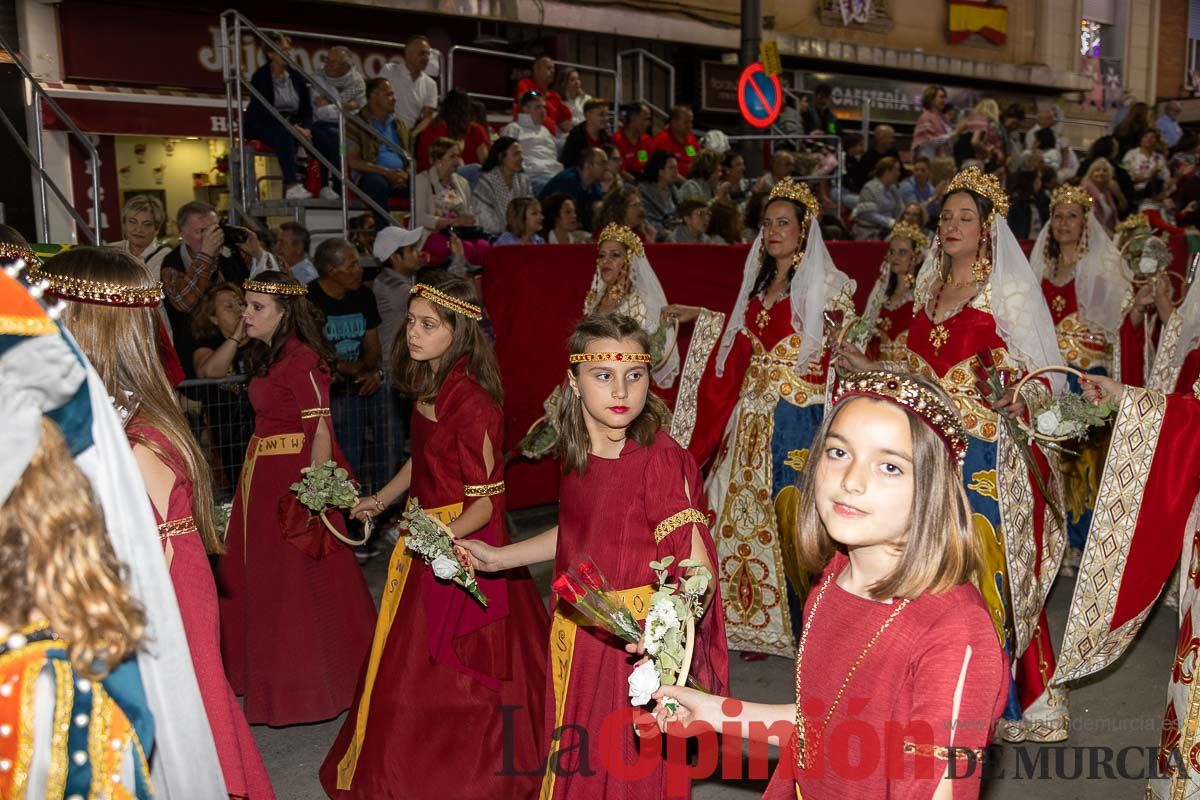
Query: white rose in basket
{"type": "Point", "coordinates": [1048, 422]}
{"type": "Point", "coordinates": [643, 682]}
{"type": "Point", "coordinates": [444, 568]}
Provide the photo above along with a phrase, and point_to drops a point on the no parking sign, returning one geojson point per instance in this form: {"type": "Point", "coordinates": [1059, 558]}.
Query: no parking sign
{"type": "Point", "coordinates": [760, 96]}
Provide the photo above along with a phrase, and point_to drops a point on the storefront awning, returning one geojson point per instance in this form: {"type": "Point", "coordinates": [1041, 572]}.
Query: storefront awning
{"type": "Point", "coordinates": [124, 111]}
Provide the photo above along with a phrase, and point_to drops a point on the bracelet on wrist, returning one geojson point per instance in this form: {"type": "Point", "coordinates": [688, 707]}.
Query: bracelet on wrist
{"type": "Point", "coordinates": [379, 504]}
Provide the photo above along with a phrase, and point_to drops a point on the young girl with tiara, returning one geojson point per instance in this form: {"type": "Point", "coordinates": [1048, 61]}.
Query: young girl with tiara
{"type": "Point", "coordinates": [898, 653]}
{"type": "Point", "coordinates": [440, 660]}
{"type": "Point", "coordinates": [629, 495]}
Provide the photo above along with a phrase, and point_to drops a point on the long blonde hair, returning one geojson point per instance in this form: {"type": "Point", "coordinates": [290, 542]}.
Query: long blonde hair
{"type": "Point", "coordinates": [122, 344]}
{"type": "Point", "coordinates": [56, 563]}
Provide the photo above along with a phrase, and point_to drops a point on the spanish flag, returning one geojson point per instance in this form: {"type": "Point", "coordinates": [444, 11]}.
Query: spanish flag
{"type": "Point", "coordinates": [976, 16]}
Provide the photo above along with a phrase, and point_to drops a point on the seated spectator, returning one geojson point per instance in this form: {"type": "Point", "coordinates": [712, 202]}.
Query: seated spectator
{"type": "Point", "coordinates": [624, 207]}
{"type": "Point", "coordinates": [677, 138]}
{"type": "Point", "coordinates": [292, 241]}
{"type": "Point", "coordinates": [733, 172]}
{"type": "Point", "coordinates": [537, 143]}
{"type": "Point", "coordinates": [855, 173]}
{"type": "Point", "coordinates": [919, 188]}
{"type": "Point", "coordinates": [557, 118]}
{"type": "Point", "coordinates": [1046, 143]}
{"type": "Point", "coordinates": [588, 136]}
{"type": "Point", "coordinates": [1108, 148]}
{"type": "Point", "coordinates": [570, 88]}
{"type": "Point", "coordinates": [453, 121]}
{"type": "Point", "coordinates": [725, 225]}
{"type": "Point", "coordinates": [502, 181]}
{"type": "Point", "coordinates": [879, 204]}
{"type": "Point", "coordinates": [914, 214]}
{"type": "Point", "coordinates": [633, 140]}
{"type": "Point", "coordinates": [1129, 131]}
{"type": "Point", "coordinates": [443, 201]}
{"type": "Point", "coordinates": [1145, 161]}
{"type": "Point", "coordinates": [1011, 121]}
{"type": "Point", "coordinates": [1098, 182]}
{"type": "Point", "coordinates": [581, 183]}
{"type": "Point", "coordinates": [704, 181]}
{"type": "Point", "coordinates": [657, 188]}
{"type": "Point", "coordinates": [286, 90]}
{"type": "Point", "coordinates": [1047, 119]}
{"type": "Point", "coordinates": [381, 169]}
{"type": "Point", "coordinates": [611, 176]}
{"type": "Point", "coordinates": [694, 217]}
{"type": "Point", "coordinates": [560, 221]}
{"type": "Point", "coordinates": [1168, 124]}
{"type": "Point", "coordinates": [341, 84]}
{"type": "Point", "coordinates": [819, 118]}
{"type": "Point", "coordinates": [142, 219]}
{"type": "Point", "coordinates": [523, 223]}
{"type": "Point", "coordinates": [783, 165]}
{"type": "Point", "coordinates": [1024, 215]}
{"type": "Point", "coordinates": [398, 251]}
{"type": "Point", "coordinates": [1159, 208]}
{"type": "Point", "coordinates": [416, 92]}
{"type": "Point", "coordinates": [883, 145]}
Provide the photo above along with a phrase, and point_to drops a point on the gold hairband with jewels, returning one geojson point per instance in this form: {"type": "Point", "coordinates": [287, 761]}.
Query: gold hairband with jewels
{"type": "Point", "coordinates": [906, 230]}
{"type": "Point", "coordinates": [940, 417]}
{"type": "Point", "coordinates": [799, 192]}
{"type": "Point", "coordinates": [591, 358]}
{"type": "Point", "coordinates": [12, 252]}
{"type": "Point", "coordinates": [619, 233]}
{"type": "Point", "coordinates": [85, 290]}
{"type": "Point", "coordinates": [1067, 194]}
{"type": "Point", "coordinates": [985, 185]}
{"type": "Point", "coordinates": [469, 310]}
{"type": "Point", "coordinates": [269, 287]}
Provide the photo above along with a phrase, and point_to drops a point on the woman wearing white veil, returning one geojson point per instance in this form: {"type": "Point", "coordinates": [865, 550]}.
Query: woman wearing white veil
{"type": "Point", "coordinates": [979, 305]}
{"type": "Point", "coordinates": [1087, 295]}
{"type": "Point", "coordinates": [756, 411]}
{"type": "Point", "coordinates": [883, 330]}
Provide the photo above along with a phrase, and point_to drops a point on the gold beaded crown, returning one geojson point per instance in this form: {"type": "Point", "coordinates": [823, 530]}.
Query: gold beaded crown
{"type": "Point", "coordinates": [270, 287]}
{"type": "Point", "coordinates": [1133, 222]}
{"type": "Point", "coordinates": [434, 295]}
{"type": "Point", "coordinates": [912, 396]}
{"type": "Point", "coordinates": [974, 179]}
{"type": "Point", "coordinates": [85, 290]}
{"type": "Point", "coordinates": [592, 358]}
{"type": "Point", "coordinates": [906, 230]}
{"type": "Point", "coordinates": [1067, 194]}
{"type": "Point", "coordinates": [619, 233]}
{"type": "Point", "coordinates": [12, 252]}
{"type": "Point", "coordinates": [799, 192]}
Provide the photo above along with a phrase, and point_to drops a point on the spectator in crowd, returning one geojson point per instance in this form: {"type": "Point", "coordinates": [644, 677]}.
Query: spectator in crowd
{"type": "Point", "coordinates": [398, 251]}
{"type": "Point", "coordinates": [820, 117]}
{"type": "Point", "coordinates": [589, 135]}
{"type": "Point", "coordinates": [381, 166]}
{"type": "Point", "coordinates": [1098, 182]}
{"type": "Point", "coordinates": [1046, 145]}
{"type": "Point", "coordinates": [1159, 207]}
{"type": "Point", "coordinates": [854, 173]}
{"type": "Point", "coordinates": [570, 89]}
{"type": "Point", "coordinates": [677, 138]}
{"type": "Point", "coordinates": [1011, 122]}
{"type": "Point", "coordinates": [933, 135]}
{"type": "Point", "coordinates": [1183, 156]}
{"type": "Point", "coordinates": [557, 118]}
{"type": "Point", "coordinates": [292, 242]}
{"type": "Point", "coordinates": [501, 181]}
{"type": "Point", "coordinates": [987, 134]}
{"type": "Point", "coordinates": [1168, 123]}
{"type": "Point", "coordinates": [783, 164]}
{"type": "Point", "coordinates": [339, 83]}
{"type": "Point", "coordinates": [1136, 122]}
{"type": "Point", "coordinates": [610, 178]}
{"type": "Point", "coordinates": [443, 202]}
{"type": "Point", "coordinates": [1145, 161]}
{"type": "Point", "coordinates": [142, 219]}
{"type": "Point", "coordinates": [523, 223]}
{"type": "Point", "coordinates": [879, 204]}
{"type": "Point", "coordinates": [733, 172]}
{"type": "Point", "coordinates": [919, 188]}
{"type": "Point", "coordinates": [560, 220]}
{"type": "Point", "coordinates": [581, 184]}
{"type": "Point", "coordinates": [694, 217]}
{"type": "Point", "coordinates": [704, 181]}
{"type": "Point", "coordinates": [624, 207]}
{"type": "Point", "coordinates": [352, 330]}
{"type": "Point", "coordinates": [725, 225]}
{"type": "Point", "coordinates": [287, 92]}
{"type": "Point", "coordinates": [203, 258]}
{"type": "Point", "coordinates": [220, 333]}
{"type": "Point", "coordinates": [537, 143]}
{"type": "Point", "coordinates": [1047, 119]}
{"type": "Point", "coordinates": [1107, 147]}
{"type": "Point", "coordinates": [416, 92]}
{"type": "Point", "coordinates": [1025, 214]}
{"type": "Point", "coordinates": [915, 214]}
{"type": "Point", "coordinates": [453, 121]}
{"type": "Point", "coordinates": [633, 140]}
{"type": "Point", "coordinates": [883, 145]}
{"type": "Point", "coordinates": [657, 189]}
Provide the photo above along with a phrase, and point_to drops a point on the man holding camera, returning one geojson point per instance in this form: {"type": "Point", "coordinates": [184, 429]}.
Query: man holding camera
{"type": "Point", "coordinates": [208, 253]}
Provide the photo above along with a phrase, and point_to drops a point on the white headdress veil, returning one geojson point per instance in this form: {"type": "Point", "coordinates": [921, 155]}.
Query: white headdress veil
{"type": "Point", "coordinates": [1100, 288]}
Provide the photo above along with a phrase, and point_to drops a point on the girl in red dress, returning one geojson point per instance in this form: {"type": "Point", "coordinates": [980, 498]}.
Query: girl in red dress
{"type": "Point", "coordinates": [295, 628]}
{"type": "Point", "coordinates": [898, 672]}
{"type": "Point", "coordinates": [112, 332]}
{"type": "Point", "coordinates": [890, 306]}
{"type": "Point", "coordinates": [630, 495]}
{"type": "Point", "coordinates": [440, 662]}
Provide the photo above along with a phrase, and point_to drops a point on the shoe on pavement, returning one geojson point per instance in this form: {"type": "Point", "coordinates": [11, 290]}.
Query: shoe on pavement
{"type": "Point", "coordinates": [297, 192]}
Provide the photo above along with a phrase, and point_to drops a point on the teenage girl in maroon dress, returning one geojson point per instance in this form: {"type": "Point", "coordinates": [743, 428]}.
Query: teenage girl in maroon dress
{"type": "Point", "coordinates": [294, 628]}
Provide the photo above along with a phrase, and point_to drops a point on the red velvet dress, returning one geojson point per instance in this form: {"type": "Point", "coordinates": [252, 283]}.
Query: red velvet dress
{"type": "Point", "coordinates": [191, 576]}
{"type": "Point", "coordinates": [623, 513]}
{"type": "Point", "coordinates": [888, 344]}
{"type": "Point", "coordinates": [1189, 372]}
{"type": "Point", "coordinates": [294, 629]}
{"type": "Point", "coordinates": [888, 735]}
{"type": "Point", "coordinates": [453, 692]}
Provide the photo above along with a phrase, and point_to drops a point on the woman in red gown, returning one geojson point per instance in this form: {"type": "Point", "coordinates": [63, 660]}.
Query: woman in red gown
{"type": "Point", "coordinates": [630, 495]}
{"type": "Point", "coordinates": [294, 628]}
{"type": "Point", "coordinates": [441, 663]}
{"type": "Point", "coordinates": [112, 333]}
{"type": "Point", "coordinates": [890, 305]}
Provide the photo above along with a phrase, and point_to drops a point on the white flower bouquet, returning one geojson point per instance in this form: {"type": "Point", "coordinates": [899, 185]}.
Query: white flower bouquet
{"type": "Point", "coordinates": [670, 632]}
{"type": "Point", "coordinates": [433, 542]}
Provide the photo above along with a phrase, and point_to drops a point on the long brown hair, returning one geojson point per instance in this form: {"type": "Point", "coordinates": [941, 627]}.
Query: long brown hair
{"type": "Point", "coordinates": [56, 562]}
{"type": "Point", "coordinates": [300, 317]}
{"type": "Point", "coordinates": [940, 550]}
{"type": "Point", "coordinates": [122, 344]}
{"type": "Point", "coordinates": [574, 443]}
{"type": "Point", "coordinates": [418, 379]}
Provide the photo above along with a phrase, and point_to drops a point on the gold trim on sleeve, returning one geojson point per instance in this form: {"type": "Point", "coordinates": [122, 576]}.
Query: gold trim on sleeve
{"type": "Point", "coordinates": [310, 413]}
{"type": "Point", "coordinates": [176, 527]}
{"type": "Point", "coordinates": [484, 489]}
{"type": "Point", "coordinates": [668, 525]}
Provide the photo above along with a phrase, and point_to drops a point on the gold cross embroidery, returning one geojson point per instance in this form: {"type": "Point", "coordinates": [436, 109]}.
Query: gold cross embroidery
{"type": "Point", "coordinates": [1058, 304]}
{"type": "Point", "coordinates": [763, 318]}
{"type": "Point", "coordinates": [938, 336]}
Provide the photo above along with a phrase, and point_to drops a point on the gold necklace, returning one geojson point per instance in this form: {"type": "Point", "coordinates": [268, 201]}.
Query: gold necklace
{"type": "Point", "coordinates": [804, 748]}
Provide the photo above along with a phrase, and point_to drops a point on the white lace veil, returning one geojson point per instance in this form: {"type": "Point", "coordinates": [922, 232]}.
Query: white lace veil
{"type": "Point", "coordinates": [1189, 327]}
{"type": "Point", "coordinates": [1100, 288]}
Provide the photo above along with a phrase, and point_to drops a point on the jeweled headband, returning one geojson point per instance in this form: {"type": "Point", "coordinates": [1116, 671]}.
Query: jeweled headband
{"type": "Point", "coordinates": [85, 290]}
{"type": "Point", "coordinates": [269, 287]}
{"type": "Point", "coordinates": [1067, 193]}
{"type": "Point", "coordinates": [906, 230]}
{"type": "Point", "coordinates": [469, 310]}
{"type": "Point", "coordinates": [619, 233]}
{"type": "Point", "coordinates": [974, 179]}
{"type": "Point", "coordinates": [798, 191]}
{"type": "Point", "coordinates": [591, 358]}
{"type": "Point", "coordinates": [12, 252]}
{"type": "Point", "coordinates": [912, 396]}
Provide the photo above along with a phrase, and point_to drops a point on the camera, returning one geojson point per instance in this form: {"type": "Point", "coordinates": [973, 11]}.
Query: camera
{"type": "Point", "coordinates": [233, 234]}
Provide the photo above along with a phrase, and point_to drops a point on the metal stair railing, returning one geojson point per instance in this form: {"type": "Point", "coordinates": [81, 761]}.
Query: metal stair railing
{"type": "Point", "coordinates": [639, 91]}
{"type": "Point", "coordinates": [524, 59]}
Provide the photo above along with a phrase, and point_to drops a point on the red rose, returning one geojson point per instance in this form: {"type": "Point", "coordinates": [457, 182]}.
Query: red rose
{"type": "Point", "coordinates": [591, 576]}
{"type": "Point", "coordinates": [566, 588]}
